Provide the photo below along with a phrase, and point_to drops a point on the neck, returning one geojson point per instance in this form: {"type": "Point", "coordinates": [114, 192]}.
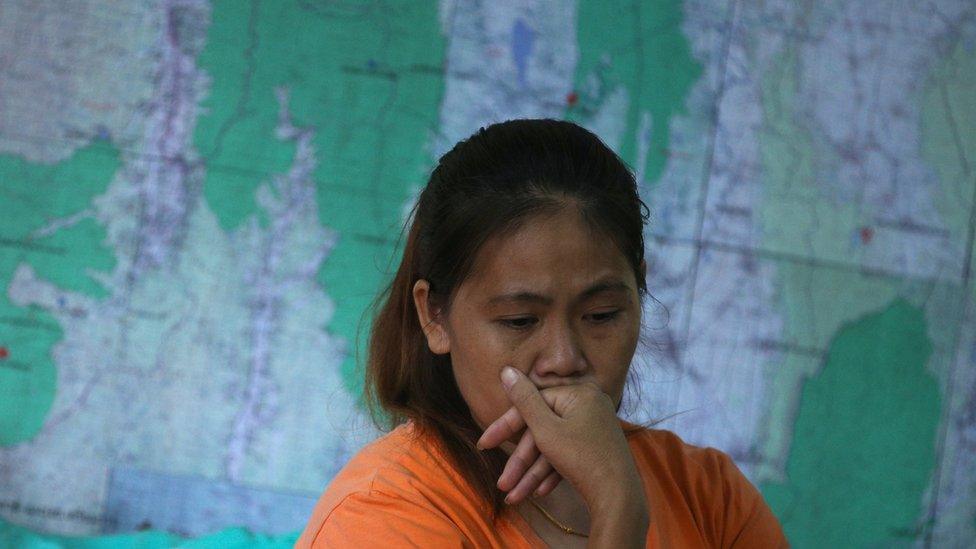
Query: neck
{"type": "Point", "coordinates": [564, 503]}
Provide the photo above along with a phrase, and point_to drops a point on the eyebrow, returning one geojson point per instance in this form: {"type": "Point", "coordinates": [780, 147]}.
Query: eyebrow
{"type": "Point", "coordinates": [610, 285]}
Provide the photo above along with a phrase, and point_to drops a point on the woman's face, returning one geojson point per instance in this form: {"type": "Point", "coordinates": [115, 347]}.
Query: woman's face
{"type": "Point", "coordinates": [551, 299]}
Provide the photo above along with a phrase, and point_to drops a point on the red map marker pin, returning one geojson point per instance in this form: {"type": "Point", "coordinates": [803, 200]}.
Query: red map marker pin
{"type": "Point", "coordinates": [867, 233]}
{"type": "Point", "coordinates": [571, 98]}
{"type": "Point", "coordinates": [4, 353]}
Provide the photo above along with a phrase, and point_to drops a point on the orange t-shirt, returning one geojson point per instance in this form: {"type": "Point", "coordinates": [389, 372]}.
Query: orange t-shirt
{"type": "Point", "coordinates": [401, 491]}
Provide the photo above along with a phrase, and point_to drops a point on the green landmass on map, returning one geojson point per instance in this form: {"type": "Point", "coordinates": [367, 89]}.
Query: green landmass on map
{"type": "Point", "coordinates": [649, 56]}
{"type": "Point", "coordinates": [371, 93]}
{"type": "Point", "coordinates": [863, 443]}
{"type": "Point", "coordinates": [34, 196]}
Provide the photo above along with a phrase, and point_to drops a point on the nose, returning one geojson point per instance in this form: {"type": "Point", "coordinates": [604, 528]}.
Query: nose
{"type": "Point", "coordinates": [560, 356]}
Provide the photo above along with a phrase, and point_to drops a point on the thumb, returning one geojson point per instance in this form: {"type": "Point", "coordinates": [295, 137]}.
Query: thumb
{"type": "Point", "coordinates": [526, 398]}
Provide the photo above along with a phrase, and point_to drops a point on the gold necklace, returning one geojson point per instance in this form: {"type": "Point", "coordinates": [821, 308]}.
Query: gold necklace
{"type": "Point", "coordinates": [561, 526]}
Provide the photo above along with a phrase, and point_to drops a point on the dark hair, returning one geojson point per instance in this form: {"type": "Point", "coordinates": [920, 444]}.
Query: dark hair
{"type": "Point", "coordinates": [482, 188]}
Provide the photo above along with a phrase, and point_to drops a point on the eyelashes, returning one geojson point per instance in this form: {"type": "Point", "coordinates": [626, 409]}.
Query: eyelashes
{"type": "Point", "coordinates": [600, 318]}
{"type": "Point", "coordinates": [518, 324]}
{"type": "Point", "coordinates": [523, 323]}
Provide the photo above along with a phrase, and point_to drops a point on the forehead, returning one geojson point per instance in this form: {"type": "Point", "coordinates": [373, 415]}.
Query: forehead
{"type": "Point", "coordinates": [552, 254]}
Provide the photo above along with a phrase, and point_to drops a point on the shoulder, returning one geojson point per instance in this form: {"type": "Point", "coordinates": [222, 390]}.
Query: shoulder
{"type": "Point", "coordinates": [666, 450]}
{"type": "Point", "coordinates": [705, 481]}
{"type": "Point", "coordinates": [397, 488]}
{"type": "Point", "coordinates": [399, 462]}
{"type": "Point", "coordinates": [403, 463]}
{"type": "Point", "coordinates": [703, 475]}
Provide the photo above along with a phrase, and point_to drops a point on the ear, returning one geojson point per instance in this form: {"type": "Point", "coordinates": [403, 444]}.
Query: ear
{"type": "Point", "coordinates": [432, 325]}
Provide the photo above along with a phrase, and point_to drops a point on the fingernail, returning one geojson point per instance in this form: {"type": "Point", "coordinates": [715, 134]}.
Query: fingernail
{"type": "Point", "coordinates": [508, 500]}
{"type": "Point", "coordinates": [509, 376]}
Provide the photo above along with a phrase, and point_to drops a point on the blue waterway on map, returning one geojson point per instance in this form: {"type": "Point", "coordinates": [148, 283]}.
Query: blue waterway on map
{"type": "Point", "coordinates": [523, 39]}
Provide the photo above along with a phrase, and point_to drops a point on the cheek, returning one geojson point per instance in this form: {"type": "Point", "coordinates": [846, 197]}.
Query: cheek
{"type": "Point", "coordinates": [477, 371]}
{"type": "Point", "coordinates": [484, 395]}
{"type": "Point", "coordinates": [620, 353]}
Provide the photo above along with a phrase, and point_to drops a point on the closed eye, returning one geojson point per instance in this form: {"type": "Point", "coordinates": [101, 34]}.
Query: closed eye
{"type": "Point", "coordinates": [600, 318]}
{"type": "Point", "coordinates": [519, 323]}
{"type": "Point", "coordinates": [526, 322]}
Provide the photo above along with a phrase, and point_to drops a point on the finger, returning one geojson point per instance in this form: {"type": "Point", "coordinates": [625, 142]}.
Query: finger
{"type": "Point", "coordinates": [530, 481]}
{"type": "Point", "coordinates": [548, 485]}
{"type": "Point", "coordinates": [524, 455]}
{"type": "Point", "coordinates": [510, 423]}
{"type": "Point", "coordinates": [505, 427]}
{"type": "Point", "coordinates": [525, 396]}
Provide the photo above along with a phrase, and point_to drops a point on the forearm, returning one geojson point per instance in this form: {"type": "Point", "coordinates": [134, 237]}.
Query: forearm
{"type": "Point", "coordinates": [620, 522]}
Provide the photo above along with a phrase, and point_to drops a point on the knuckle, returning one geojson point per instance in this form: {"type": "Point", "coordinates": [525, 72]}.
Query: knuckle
{"type": "Point", "coordinates": [540, 468]}
{"type": "Point", "coordinates": [511, 422]}
{"type": "Point", "coordinates": [532, 476]}
{"type": "Point", "coordinates": [519, 461]}
{"type": "Point", "coordinates": [550, 395]}
{"type": "Point", "coordinates": [593, 393]}
{"type": "Point", "coordinates": [590, 388]}
{"type": "Point", "coordinates": [526, 454]}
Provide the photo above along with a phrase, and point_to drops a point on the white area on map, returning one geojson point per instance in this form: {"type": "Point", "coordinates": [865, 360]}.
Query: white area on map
{"type": "Point", "coordinates": [859, 94]}
{"type": "Point", "coordinates": [490, 77]}
{"type": "Point", "coordinates": [703, 361]}
{"type": "Point", "coordinates": [44, 51]}
{"type": "Point", "coordinates": [876, 62]}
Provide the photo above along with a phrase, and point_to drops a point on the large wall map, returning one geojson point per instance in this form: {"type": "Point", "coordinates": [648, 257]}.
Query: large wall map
{"type": "Point", "coordinates": [198, 202]}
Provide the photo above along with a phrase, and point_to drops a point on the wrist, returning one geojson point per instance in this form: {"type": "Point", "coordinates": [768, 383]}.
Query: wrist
{"type": "Point", "coordinates": [617, 487]}
{"type": "Point", "coordinates": [629, 504]}
{"type": "Point", "coordinates": [620, 522]}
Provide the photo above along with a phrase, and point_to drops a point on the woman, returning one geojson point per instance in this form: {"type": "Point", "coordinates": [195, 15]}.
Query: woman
{"type": "Point", "coordinates": [500, 352]}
